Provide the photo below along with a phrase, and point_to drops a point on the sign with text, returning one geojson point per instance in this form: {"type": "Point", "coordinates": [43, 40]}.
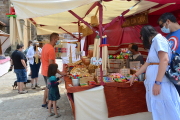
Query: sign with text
{"type": "Point", "coordinates": [136, 20]}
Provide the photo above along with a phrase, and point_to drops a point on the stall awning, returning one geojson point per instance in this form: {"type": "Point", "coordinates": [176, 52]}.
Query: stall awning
{"type": "Point", "coordinates": [55, 13]}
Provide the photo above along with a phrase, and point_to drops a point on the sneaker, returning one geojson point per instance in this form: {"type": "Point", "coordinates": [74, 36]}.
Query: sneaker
{"type": "Point", "coordinates": [33, 87]}
{"type": "Point", "coordinates": [23, 92]}
{"type": "Point", "coordinates": [37, 86]}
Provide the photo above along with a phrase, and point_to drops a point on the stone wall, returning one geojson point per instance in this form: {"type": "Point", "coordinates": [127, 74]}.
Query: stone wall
{"type": "Point", "coordinates": [4, 8]}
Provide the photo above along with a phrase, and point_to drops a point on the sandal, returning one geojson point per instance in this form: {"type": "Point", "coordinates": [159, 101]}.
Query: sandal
{"type": "Point", "coordinates": [51, 114]}
{"type": "Point", "coordinates": [44, 105]}
{"type": "Point", "coordinates": [56, 116]}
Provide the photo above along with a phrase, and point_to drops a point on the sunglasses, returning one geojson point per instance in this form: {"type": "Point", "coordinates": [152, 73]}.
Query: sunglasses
{"type": "Point", "coordinates": [161, 25]}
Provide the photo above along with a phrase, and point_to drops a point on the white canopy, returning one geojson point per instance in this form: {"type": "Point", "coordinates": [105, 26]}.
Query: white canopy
{"type": "Point", "coordinates": [54, 13]}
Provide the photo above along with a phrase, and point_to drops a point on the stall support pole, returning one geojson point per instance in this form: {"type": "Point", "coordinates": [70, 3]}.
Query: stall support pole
{"type": "Point", "coordinates": [100, 36]}
{"type": "Point", "coordinates": [79, 36]}
{"type": "Point", "coordinates": [68, 32]}
{"type": "Point", "coordinates": [80, 19]}
{"type": "Point", "coordinates": [79, 31]}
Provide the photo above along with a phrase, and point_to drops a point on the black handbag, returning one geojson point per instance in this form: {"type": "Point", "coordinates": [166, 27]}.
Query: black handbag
{"type": "Point", "coordinates": [173, 72]}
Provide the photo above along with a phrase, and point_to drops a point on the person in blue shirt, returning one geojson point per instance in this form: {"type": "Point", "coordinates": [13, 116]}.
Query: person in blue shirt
{"type": "Point", "coordinates": [169, 25]}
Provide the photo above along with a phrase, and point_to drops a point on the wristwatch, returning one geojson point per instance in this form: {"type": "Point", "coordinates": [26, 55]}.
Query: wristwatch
{"type": "Point", "coordinates": [158, 83]}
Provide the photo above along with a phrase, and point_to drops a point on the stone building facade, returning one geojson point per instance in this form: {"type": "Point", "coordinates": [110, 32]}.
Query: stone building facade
{"type": "Point", "coordinates": [4, 8]}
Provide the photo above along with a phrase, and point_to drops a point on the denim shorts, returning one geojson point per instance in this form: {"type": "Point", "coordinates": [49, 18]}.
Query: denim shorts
{"type": "Point", "coordinates": [21, 75]}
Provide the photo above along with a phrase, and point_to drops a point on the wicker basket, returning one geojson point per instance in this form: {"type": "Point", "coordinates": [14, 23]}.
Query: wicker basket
{"type": "Point", "coordinates": [121, 99]}
{"type": "Point", "coordinates": [81, 28]}
{"type": "Point", "coordinates": [94, 21]}
{"type": "Point", "coordinates": [87, 31]}
{"type": "Point", "coordinates": [92, 68]}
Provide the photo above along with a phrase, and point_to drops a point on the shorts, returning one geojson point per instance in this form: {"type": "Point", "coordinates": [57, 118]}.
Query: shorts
{"type": "Point", "coordinates": [21, 75]}
{"type": "Point", "coordinates": [46, 80]}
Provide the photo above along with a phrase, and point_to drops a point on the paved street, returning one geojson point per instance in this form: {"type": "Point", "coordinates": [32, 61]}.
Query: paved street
{"type": "Point", "coordinates": [14, 106]}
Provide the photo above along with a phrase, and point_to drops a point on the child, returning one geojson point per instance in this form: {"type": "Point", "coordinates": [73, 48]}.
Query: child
{"type": "Point", "coordinates": [53, 89]}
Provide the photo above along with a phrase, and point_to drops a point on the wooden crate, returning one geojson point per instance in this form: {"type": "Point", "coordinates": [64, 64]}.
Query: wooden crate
{"type": "Point", "coordinates": [115, 65]}
{"type": "Point", "coordinates": [98, 73]}
{"type": "Point", "coordinates": [113, 70]}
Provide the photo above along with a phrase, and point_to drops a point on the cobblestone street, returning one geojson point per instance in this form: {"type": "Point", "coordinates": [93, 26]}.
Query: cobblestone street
{"type": "Point", "coordinates": [14, 106]}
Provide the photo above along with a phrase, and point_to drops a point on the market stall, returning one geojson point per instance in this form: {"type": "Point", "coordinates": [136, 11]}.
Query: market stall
{"type": "Point", "coordinates": [100, 76]}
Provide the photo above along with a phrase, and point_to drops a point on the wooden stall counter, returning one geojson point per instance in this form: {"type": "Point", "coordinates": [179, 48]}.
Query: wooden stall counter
{"type": "Point", "coordinates": [121, 98]}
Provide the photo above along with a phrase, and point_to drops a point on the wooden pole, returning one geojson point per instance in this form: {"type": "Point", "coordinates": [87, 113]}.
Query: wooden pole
{"type": "Point", "coordinates": [97, 11]}
{"type": "Point", "coordinates": [70, 56]}
{"type": "Point", "coordinates": [60, 49]}
{"type": "Point", "coordinates": [78, 48]}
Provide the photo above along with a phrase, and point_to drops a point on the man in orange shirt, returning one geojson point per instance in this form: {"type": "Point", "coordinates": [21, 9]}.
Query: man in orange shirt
{"type": "Point", "coordinates": [47, 58]}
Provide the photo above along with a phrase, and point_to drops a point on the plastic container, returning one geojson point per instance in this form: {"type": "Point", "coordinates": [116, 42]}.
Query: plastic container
{"type": "Point", "coordinates": [75, 82]}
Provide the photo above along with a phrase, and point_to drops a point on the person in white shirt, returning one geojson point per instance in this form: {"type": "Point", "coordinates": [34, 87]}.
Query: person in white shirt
{"type": "Point", "coordinates": [31, 55]}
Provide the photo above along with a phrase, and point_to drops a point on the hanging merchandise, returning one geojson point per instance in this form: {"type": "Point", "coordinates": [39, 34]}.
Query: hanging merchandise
{"type": "Point", "coordinates": [70, 55]}
{"type": "Point", "coordinates": [87, 31]}
{"type": "Point", "coordinates": [81, 28]}
{"type": "Point", "coordinates": [78, 52]}
{"type": "Point", "coordinates": [94, 19]}
{"type": "Point", "coordinates": [105, 56]}
{"type": "Point", "coordinates": [96, 60]}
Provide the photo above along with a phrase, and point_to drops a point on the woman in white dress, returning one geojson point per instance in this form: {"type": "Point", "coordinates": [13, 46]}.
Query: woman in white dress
{"type": "Point", "coordinates": [161, 96]}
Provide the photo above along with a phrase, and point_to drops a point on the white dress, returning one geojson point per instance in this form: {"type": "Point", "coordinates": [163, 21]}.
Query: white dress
{"type": "Point", "coordinates": [166, 105]}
